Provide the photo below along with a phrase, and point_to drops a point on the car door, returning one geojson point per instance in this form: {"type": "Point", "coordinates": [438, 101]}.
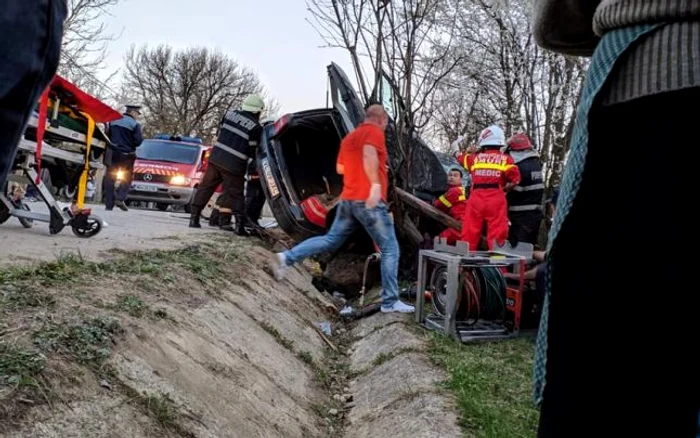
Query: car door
{"type": "Point", "coordinates": [344, 98]}
{"type": "Point", "coordinates": [429, 176]}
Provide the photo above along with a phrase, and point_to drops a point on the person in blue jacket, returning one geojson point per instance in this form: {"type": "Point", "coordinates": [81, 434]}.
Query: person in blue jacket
{"type": "Point", "coordinates": [125, 135]}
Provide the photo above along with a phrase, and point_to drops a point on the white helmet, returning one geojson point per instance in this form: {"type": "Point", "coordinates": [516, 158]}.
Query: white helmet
{"type": "Point", "coordinates": [492, 136]}
{"type": "Point", "coordinates": [253, 103]}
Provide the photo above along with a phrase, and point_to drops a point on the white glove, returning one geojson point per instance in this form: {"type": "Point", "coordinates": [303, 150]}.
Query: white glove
{"type": "Point", "coordinates": [375, 195]}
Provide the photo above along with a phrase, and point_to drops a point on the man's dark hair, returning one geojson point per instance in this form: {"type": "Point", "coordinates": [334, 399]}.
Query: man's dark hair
{"type": "Point", "coordinates": [454, 169]}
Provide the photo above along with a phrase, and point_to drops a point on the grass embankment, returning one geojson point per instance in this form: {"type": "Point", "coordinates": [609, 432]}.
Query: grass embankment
{"type": "Point", "coordinates": [492, 383]}
{"type": "Point", "coordinates": [51, 321]}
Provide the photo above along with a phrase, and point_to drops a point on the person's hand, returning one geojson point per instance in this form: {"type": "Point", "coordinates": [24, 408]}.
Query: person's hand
{"type": "Point", "coordinates": [472, 148]}
{"type": "Point", "coordinates": [375, 195]}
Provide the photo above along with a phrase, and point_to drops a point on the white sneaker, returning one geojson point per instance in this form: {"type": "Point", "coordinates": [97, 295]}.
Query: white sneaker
{"type": "Point", "coordinates": [398, 307]}
{"type": "Point", "coordinates": [278, 266]}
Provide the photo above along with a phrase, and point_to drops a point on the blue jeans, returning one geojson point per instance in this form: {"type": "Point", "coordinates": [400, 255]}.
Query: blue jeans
{"type": "Point", "coordinates": [377, 223]}
{"type": "Point", "coordinates": [29, 51]}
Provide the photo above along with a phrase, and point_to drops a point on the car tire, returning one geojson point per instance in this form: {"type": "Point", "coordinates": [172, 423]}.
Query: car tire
{"type": "Point", "coordinates": [161, 207]}
{"type": "Point", "coordinates": [68, 193]}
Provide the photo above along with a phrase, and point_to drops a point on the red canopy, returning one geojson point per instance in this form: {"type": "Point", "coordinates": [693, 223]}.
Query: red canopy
{"type": "Point", "coordinates": [72, 95]}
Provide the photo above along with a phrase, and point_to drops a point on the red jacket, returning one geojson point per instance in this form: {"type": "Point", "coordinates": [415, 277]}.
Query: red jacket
{"type": "Point", "coordinates": [454, 202]}
{"type": "Point", "coordinates": [492, 169]}
{"type": "Point", "coordinates": [462, 158]}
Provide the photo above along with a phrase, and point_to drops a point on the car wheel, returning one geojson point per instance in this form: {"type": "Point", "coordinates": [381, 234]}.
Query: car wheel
{"type": "Point", "coordinates": [26, 223]}
{"type": "Point", "coordinates": [68, 192]}
{"type": "Point", "coordinates": [161, 207]}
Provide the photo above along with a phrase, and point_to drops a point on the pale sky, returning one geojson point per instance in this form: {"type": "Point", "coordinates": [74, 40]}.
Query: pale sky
{"type": "Point", "coordinates": [272, 37]}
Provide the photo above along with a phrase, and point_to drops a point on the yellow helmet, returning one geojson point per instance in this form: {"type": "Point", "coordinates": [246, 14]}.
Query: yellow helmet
{"type": "Point", "coordinates": [253, 103]}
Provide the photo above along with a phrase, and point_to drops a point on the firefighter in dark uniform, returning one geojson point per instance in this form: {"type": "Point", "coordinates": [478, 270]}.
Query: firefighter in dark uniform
{"type": "Point", "coordinates": [237, 143]}
{"type": "Point", "coordinates": [125, 135]}
{"type": "Point", "coordinates": [254, 195]}
{"type": "Point", "coordinates": [525, 200]}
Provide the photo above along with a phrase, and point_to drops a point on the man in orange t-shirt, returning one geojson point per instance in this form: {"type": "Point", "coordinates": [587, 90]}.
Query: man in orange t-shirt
{"type": "Point", "coordinates": [362, 161]}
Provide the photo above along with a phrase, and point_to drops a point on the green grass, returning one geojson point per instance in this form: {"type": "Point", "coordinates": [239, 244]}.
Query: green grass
{"type": "Point", "coordinates": [88, 342]}
{"type": "Point", "coordinates": [132, 305]}
{"type": "Point", "coordinates": [14, 298]}
{"type": "Point", "coordinates": [492, 383]}
{"type": "Point", "coordinates": [19, 367]}
{"type": "Point", "coordinates": [279, 337]}
{"type": "Point", "coordinates": [162, 408]}
{"type": "Point", "coordinates": [72, 268]}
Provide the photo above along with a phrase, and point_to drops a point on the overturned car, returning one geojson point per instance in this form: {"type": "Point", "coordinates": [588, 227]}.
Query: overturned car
{"type": "Point", "coordinates": [298, 153]}
{"type": "Point", "coordinates": [296, 162]}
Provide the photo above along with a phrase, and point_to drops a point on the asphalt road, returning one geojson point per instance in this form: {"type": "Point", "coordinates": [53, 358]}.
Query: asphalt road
{"type": "Point", "coordinates": [133, 230]}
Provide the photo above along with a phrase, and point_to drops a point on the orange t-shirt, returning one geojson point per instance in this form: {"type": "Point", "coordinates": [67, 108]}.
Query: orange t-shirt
{"type": "Point", "coordinates": [356, 185]}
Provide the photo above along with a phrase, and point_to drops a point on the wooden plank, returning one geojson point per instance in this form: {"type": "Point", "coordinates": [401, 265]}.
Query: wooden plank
{"type": "Point", "coordinates": [427, 210]}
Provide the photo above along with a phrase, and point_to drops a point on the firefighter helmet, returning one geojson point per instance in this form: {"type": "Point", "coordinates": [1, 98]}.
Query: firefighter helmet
{"type": "Point", "coordinates": [519, 142]}
{"type": "Point", "coordinates": [253, 103]}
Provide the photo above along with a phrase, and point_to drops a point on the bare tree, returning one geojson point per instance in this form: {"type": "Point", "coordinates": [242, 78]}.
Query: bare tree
{"type": "Point", "coordinates": [504, 78]}
{"type": "Point", "coordinates": [85, 43]}
{"type": "Point", "coordinates": [406, 48]}
{"type": "Point", "coordinates": [186, 92]}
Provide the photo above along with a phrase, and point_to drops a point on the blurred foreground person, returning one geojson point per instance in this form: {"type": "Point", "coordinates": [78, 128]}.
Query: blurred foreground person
{"type": "Point", "coordinates": [600, 368]}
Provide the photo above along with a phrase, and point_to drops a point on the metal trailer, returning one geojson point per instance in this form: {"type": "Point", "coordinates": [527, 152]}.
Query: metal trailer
{"type": "Point", "coordinates": [456, 258]}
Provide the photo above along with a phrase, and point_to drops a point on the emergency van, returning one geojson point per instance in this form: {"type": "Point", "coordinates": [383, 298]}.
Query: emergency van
{"type": "Point", "coordinates": [168, 170]}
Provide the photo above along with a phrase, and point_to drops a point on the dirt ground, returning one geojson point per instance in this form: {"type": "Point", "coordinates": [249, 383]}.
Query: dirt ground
{"type": "Point", "coordinates": [200, 350]}
{"type": "Point", "coordinates": [157, 330]}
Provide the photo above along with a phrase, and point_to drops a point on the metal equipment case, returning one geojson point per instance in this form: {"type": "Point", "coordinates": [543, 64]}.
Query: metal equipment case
{"type": "Point", "coordinates": [457, 258]}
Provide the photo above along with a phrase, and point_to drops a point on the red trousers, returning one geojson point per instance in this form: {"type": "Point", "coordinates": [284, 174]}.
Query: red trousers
{"type": "Point", "coordinates": [490, 206]}
{"type": "Point", "coordinates": [451, 235]}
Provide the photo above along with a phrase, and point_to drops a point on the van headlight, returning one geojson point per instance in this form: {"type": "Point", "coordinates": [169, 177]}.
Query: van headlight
{"type": "Point", "coordinates": [179, 180]}
{"type": "Point", "coordinates": [120, 175]}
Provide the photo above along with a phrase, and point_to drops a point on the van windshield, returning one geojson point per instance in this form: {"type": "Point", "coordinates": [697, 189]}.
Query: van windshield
{"type": "Point", "coordinates": [172, 152]}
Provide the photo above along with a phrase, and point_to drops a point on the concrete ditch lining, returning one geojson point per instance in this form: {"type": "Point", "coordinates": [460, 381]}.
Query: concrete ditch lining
{"type": "Point", "coordinates": [396, 388]}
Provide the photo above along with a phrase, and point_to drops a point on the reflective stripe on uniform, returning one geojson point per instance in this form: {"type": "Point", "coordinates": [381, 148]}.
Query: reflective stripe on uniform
{"type": "Point", "coordinates": [444, 200]}
{"type": "Point", "coordinates": [235, 130]}
{"type": "Point", "coordinates": [463, 194]}
{"type": "Point", "coordinates": [539, 186]}
{"type": "Point", "coordinates": [231, 151]}
{"type": "Point", "coordinates": [492, 166]}
{"type": "Point", "coordinates": [253, 143]}
{"type": "Point", "coordinates": [529, 207]}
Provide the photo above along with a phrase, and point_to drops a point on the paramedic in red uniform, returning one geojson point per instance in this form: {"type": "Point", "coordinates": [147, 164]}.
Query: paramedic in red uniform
{"type": "Point", "coordinates": [453, 202]}
{"type": "Point", "coordinates": [493, 173]}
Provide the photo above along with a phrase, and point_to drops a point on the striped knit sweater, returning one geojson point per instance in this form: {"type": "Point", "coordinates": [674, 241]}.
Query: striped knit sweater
{"type": "Point", "coordinates": [666, 60]}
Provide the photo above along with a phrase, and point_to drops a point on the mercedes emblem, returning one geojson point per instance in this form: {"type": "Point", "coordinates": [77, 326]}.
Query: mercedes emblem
{"type": "Point", "coordinates": [148, 177]}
